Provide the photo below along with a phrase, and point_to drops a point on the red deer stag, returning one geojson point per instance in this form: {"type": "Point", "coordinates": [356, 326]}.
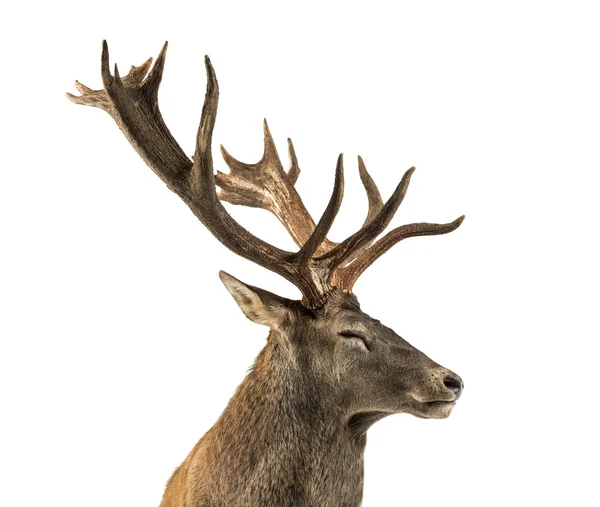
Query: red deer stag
{"type": "Point", "coordinates": [294, 432]}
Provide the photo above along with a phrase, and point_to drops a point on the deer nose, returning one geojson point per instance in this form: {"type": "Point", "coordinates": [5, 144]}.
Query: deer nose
{"type": "Point", "coordinates": [455, 384]}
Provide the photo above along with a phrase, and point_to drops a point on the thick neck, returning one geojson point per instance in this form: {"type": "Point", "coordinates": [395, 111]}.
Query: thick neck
{"type": "Point", "coordinates": [284, 433]}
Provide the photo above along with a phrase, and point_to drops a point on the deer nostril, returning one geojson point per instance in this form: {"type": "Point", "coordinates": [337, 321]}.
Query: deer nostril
{"type": "Point", "coordinates": [454, 383]}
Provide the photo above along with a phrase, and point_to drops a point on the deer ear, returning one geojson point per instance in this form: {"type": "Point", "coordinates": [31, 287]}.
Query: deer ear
{"type": "Point", "coordinates": [260, 306]}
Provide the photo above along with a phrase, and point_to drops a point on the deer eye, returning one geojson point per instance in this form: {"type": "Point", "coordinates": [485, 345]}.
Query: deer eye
{"type": "Point", "coordinates": [358, 336]}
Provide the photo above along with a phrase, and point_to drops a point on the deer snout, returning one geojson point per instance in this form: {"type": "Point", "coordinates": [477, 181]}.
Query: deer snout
{"type": "Point", "coordinates": [454, 384]}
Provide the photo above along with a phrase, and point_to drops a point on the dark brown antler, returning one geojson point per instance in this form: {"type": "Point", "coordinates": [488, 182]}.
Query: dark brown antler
{"type": "Point", "coordinates": [132, 101]}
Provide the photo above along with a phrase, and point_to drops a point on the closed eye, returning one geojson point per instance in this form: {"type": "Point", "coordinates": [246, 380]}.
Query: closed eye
{"type": "Point", "coordinates": [358, 336]}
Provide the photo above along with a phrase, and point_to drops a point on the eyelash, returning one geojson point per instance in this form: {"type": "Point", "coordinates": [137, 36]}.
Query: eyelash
{"type": "Point", "coordinates": [351, 334]}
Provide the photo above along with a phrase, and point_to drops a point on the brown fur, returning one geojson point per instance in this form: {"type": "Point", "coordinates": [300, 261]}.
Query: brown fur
{"type": "Point", "coordinates": [294, 433]}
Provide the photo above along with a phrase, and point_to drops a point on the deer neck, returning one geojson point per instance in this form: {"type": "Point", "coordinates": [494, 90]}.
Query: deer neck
{"type": "Point", "coordinates": [286, 432]}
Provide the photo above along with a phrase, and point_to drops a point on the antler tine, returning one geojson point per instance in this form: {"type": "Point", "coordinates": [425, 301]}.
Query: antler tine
{"type": "Point", "coordinates": [322, 228]}
{"type": "Point", "coordinates": [294, 170]}
{"type": "Point", "coordinates": [154, 78]}
{"type": "Point", "coordinates": [373, 195]}
{"type": "Point", "coordinates": [345, 277]}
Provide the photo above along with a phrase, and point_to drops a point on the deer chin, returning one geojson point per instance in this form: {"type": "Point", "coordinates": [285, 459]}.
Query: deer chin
{"type": "Point", "coordinates": [437, 409]}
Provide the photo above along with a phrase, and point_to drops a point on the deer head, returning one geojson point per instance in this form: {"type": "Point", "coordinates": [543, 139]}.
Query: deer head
{"type": "Point", "coordinates": [354, 361]}
{"type": "Point", "coordinates": [364, 366]}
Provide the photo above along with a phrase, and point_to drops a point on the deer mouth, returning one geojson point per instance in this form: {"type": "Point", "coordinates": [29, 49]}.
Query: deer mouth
{"type": "Point", "coordinates": [437, 409]}
{"type": "Point", "coordinates": [440, 406]}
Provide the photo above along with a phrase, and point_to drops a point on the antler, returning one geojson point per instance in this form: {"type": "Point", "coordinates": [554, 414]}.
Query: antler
{"type": "Point", "coordinates": [132, 101]}
{"type": "Point", "coordinates": [266, 185]}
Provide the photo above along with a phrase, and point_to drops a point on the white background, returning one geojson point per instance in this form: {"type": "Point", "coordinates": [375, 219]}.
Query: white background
{"type": "Point", "coordinates": [119, 345]}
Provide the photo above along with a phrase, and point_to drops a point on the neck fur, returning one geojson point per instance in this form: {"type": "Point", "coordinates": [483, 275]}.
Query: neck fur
{"type": "Point", "coordinates": [283, 433]}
